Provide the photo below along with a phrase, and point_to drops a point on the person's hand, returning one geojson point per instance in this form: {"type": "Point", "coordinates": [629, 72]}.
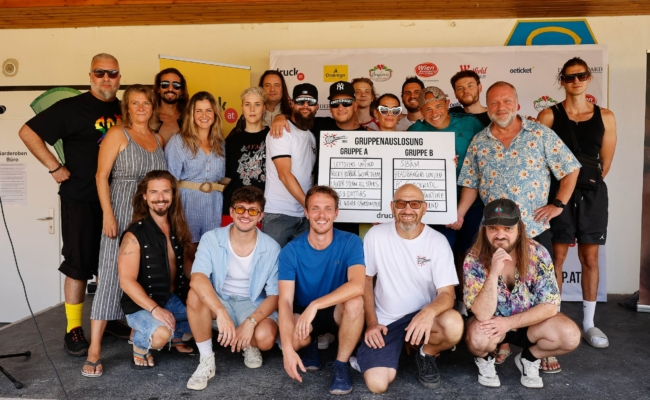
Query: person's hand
{"type": "Point", "coordinates": [495, 327]}
{"type": "Point", "coordinates": [458, 224]}
{"type": "Point", "coordinates": [420, 327]}
{"type": "Point", "coordinates": [109, 226]}
{"type": "Point", "coordinates": [547, 213]}
{"type": "Point", "coordinates": [61, 175]}
{"type": "Point", "coordinates": [303, 325]}
{"type": "Point", "coordinates": [278, 126]}
{"type": "Point", "coordinates": [499, 259]}
{"type": "Point", "coordinates": [456, 160]}
{"type": "Point", "coordinates": [374, 336]}
{"type": "Point", "coordinates": [243, 335]}
{"type": "Point", "coordinates": [226, 329]}
{"type": "Point", "coordinates": [532, 119]}
{"type": "Point", "coordinates": [292, 362]}
{"type": "Point", "coordinates": [165, 317]}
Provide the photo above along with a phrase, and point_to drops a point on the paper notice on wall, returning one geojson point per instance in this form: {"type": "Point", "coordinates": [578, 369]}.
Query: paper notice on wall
{"type": "Point", "coordinates": [13, 184]}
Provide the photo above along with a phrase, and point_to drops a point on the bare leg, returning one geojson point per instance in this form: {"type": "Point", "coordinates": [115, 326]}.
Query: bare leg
{"type": "Point", "coordinates": [588, 254]}
{"type": "Point", "coordinates": [478, 342]}
{"type": "Point", "coordinates": [349, 316]}
{"type": "Point", "coordinates": [97, 328]}
{"type": "Point", "coordinates": [446, 332]}
{"type": "Point", "coordinates": [560, 250]}
{"type": "Point", "coordinates": [378, 379]}
{"type": "Point", "coordinates": [297, 343]}
{"type": "Point", "coordinates": [74, 290]}
{"type": "Point", "coordinates": [265, 333]}
{"type": "Point", "coordinates": [200, 317]}
{"type": "Point", "coordinates": [553, 337]}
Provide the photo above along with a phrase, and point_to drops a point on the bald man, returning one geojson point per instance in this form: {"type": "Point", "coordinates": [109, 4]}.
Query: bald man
{"type": "Point", "coordinates": [414, 296]}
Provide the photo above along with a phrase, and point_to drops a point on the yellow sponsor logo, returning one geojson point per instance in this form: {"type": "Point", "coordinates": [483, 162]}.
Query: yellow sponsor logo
{"type": "Point", "coordinates": [335, 73]}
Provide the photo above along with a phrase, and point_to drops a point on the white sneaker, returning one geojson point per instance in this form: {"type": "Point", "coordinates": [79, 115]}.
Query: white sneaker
{"type": "Point", "coordinates": [325, 340]}
{"type": "Point", "coordinates": [252, 357]}
{"type": "Point", "coordinates": [205, 371]}
{"type": "Point", "coordinates": [487, 375]}
{"type": "Point", "coordinates": [529, 372]}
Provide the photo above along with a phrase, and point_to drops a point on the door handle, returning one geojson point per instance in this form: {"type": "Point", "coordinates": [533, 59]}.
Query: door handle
{"type": "Point", "coordinates": [50, 219]}
{"type": "Point", "coordinates": [45, 219]}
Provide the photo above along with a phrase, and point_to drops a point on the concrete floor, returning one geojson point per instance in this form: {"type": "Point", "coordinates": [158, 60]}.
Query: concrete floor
{"type": "Point", "coordinates": [618, 372]}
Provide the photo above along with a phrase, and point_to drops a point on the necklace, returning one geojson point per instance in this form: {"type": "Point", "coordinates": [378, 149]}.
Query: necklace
{"type": "Point", "coordinates": [577, 115]}
{"type": "Point", "coordinates": [245, 251]}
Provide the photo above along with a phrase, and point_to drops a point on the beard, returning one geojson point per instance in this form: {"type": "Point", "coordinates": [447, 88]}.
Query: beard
{"type": "Point", "coordinates": [410, 109]}
{"type": "Point", "coordinates": [468, 103]}
{"type": "Point", "coordinates": [169, 101]}
{"type": "Point", "coordinates": [503, 123]}
{"type": "Point", "coordinates": [159, 212]}
{"type": "Point", "coordinates": [106, 94]}
{"type": "Point", "coordinates": [408, 225]}
{"type": "Point", "coordinates": [504, 244]}
{"type": "Point", "coordinates": [303, 123]}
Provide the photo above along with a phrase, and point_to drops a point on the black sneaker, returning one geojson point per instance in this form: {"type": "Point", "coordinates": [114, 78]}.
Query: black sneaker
{"type": "Point", "coordinates": [75, 342]}
{"type": "Point", "coordinates": [118, 329]}
{"type": "Point", "coordinates": [427, 371]}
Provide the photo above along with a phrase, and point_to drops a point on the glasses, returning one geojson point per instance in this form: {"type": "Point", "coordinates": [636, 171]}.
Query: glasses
{"type": "Point", "coordinates": [175, 85]}
{"type": "Point", "coordinates": [414, 204]}
{"type": "Point", "coordinates": [341, 102]}
{"type": "Point", "coordinates": [253, 212]}
{"type": "Point", "coordinates": [112, 73]}
{"type": "Point", "coordinates": [383, 110]}
{"type": "Point", "coordinates": [582, 76]}
{"type": "Point", "coordinates": [309, 100]}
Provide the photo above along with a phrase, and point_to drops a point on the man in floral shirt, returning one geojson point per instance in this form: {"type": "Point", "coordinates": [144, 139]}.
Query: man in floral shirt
{"type": "Point", "coordinates": [511, 159]}
{"type": "Point", "coordinates": [511, 289]}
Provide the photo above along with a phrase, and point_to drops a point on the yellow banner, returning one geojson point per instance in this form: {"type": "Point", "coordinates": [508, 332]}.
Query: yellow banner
{"type": "Point", "coordinates": [224, 81]}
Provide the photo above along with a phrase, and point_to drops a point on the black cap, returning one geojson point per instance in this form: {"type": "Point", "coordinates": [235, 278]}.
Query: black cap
{"type": "Point", "coordinates": [503, 212]}
{"type": "Point", "coordinates": [341, 87]}
{"type": "Point", "coordinates": [305, 89]}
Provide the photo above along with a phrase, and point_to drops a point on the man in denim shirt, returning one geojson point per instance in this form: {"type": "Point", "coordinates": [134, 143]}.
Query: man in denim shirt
{"type": "Point", "coordinates": [235, 282]}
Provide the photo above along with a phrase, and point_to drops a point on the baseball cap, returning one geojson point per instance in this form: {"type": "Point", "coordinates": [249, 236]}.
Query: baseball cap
{"type": "Point", "coordinates": [437, 93]}
{"type": "Point", "coordinates": [305, 89]}
{"type": "Point", "coordinates": [341, 87]}
{"type": "Point", "coordinates": [502, 212]}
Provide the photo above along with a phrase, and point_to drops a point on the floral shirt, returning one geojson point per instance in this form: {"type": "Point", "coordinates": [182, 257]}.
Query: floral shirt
{"type": "Point", "coordinates": [520, 172]}
{"type": "Point", "coordinates": [539, 286]}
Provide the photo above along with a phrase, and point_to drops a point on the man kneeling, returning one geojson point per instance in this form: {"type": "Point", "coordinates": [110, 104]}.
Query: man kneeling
{"type": "Point", "coordinates": [510, 288]}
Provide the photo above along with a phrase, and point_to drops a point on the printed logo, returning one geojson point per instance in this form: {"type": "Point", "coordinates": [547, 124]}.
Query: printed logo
{"type": "Point", "coordinates": [330, 139]}
{"type": "Point", "coordinates": [301, 76]}
{"type": "Point", "coordinates": [544, 102]}
{"type": "Point", "coordinates": [421, 260]}
{"type": "Point", "coordinates": [426, 70]}
{"type": "Point", "coordinates": [591, 99]}
{"type": "Point", "coordinates": [380, 73]}
{"type": "Point", "coordinates": [522, 70]}
{"type": "Point", "coordinates": [480, 71]}
{"type": "Point", "coordinates": [230, 115]}
{"type": "Point", "coordinates": [104, 124]}
{"type": "Point", "coordinates": [340, 86]}
{"type": "Point", "coordinates": [335, 73]}
{"type": "Point", "coordinates": [292, 72]}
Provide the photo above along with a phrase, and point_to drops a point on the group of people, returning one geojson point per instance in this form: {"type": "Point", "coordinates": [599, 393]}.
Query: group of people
{"type": "Point", "coordinates": [189, 231]}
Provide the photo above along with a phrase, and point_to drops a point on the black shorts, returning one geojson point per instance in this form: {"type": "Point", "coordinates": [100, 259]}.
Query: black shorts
{"type": "Point", "coordinates": [323, 321]}
{"type": "Point", "coordinates": [584, 218]}
{"type": "Point", "coordinates": [81, 232]}
{"type": "Point", "coordinates": [518, 338]}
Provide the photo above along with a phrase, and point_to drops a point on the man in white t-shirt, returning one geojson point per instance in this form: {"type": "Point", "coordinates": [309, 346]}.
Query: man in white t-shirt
{"type": "Point", "coordinates": [414, 296]}
{"type": "Point", "coordinates": [289, 165]}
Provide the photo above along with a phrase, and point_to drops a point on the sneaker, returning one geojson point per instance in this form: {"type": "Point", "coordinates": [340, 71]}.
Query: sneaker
{"type": "Point", "coordinates": [310, 358]}
{"type": "Point", "coordinates": [252, 357]}
{"type": "Point", "coordinates": [487, 375]}
{"type": "Point", "coordinates": [204, 372]}
{"type": "Point", "coordinates": [428, 373]}
{"type": "Point", "coordinates": [529, 372]}
{"type": "Point", "coordinates": [75, 342]}
{"type": "Point", "coordinates": [325, 340]}
{"type": "Point", "coordinates": [341, 380]}
{"type": "Point", "coordinates": [118, 329]}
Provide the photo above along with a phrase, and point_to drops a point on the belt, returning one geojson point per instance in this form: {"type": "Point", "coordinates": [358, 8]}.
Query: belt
{"type": "Point", "coordinates": [205, 187]}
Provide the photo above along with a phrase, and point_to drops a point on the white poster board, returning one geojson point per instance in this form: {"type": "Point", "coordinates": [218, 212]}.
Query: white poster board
{"type": "Point", "coordinates": [366, 168]}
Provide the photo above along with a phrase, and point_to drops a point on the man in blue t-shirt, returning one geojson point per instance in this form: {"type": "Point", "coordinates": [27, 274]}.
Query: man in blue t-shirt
{"type": "Point", "coordinates": [321, 284]}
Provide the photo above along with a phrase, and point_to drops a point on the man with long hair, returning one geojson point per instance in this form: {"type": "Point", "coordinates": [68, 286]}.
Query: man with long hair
{"type": "Point", "coordinates": [511, 289]}
{"type": "Point", "coordinates": [150, 267]}
{"type": "Point", "coordinates": [277, 96]}
{"type": "Point", "coordinates": [172, 96]}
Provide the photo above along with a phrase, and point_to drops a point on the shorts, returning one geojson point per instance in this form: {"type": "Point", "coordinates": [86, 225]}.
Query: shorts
{"type": "Point", "coordinates": [584, 218]}
{"type": "Point", "coordinates": [81, 233]}
{"type": "Point", "coordinates": [461, 240]}
{"type": "Point", "coordinates": [239, 309]}
{"type": "Point", "coordinates": [145, 324]}
{"type": "Point", "coordinates": [284, 228]}
{"type": "Point", "coordinates": [323, 322]}
{"type": "Point", "coordinates": [518, 338]}
{"type": "Point", "coordinates": [387, 356]}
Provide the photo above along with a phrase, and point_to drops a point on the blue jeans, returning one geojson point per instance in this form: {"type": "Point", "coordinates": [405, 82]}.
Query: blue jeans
{"type": "Point", "coordinates": [145, 324]}
{"type": "Point", "coordinates": [284, 228]}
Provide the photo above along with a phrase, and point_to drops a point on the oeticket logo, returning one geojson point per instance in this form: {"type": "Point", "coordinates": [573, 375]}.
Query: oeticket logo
{"type": "Point", "coordinates": [426, 70]}
{"type": "Point", "coordinates": [591, 99]}
{"type": "Point", "coordinates": [544, 102]}
{"type": "Point", "coordinates": [380, 73]}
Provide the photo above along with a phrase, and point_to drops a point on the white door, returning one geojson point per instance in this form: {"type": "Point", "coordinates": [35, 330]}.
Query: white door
{"type": "Point", "coordinates": [37, 246]}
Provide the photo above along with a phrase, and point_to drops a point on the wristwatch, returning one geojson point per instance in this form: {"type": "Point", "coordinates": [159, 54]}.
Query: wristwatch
{"type": "Point", "coordinates": [558, 203]}
{"type": "Point", "coordinates": [252, 320]}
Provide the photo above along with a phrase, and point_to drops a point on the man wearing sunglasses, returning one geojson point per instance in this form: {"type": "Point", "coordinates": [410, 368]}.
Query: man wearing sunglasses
{"type": "Point", "coordinates": [172, 96]}
{"type": "Point", "coordinates": [80, 122]}
{"type": "Point", "coordinates": [235, 282]}
{"type": "Point", "coordinates": [413, 298]}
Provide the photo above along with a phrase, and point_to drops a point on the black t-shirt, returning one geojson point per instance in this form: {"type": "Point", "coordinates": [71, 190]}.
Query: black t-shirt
{"type": "Point", "coordinates": [482, 117]}
{"type": "Point", "coordinates": [81, 122]}
{"type": "Point", "coordinates": [245, 162]}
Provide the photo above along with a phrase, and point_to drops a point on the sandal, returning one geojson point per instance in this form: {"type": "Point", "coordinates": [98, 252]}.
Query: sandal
{"type": "Point", "coordinates": [548, 360]}
{"type": "Point", "coordinates": [95, 364]}
{"type": "Point", "coordinates": [501, 352]}
{"type": "Point", "coordinates": [174, 348]}
{"type": "Point", "coordinates": [147, 357]}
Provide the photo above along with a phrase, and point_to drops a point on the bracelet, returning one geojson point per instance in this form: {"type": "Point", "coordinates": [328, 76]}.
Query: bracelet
{"type": "Point", "coordinates": [56, 169]}
{"type": "Point", "coordinates": [153, 309]}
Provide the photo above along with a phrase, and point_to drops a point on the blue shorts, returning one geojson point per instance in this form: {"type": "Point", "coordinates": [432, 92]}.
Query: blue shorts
{"type": "Point", "coordinates": [239, 308]}
{"type": "Point", "coordinates": [387, 356]}
{"type": "Point", "coordinates": [145, 324]}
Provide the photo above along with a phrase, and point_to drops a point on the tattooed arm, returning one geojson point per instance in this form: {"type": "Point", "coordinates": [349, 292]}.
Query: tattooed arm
{"type": "Point", "coordinates": [128, 265]}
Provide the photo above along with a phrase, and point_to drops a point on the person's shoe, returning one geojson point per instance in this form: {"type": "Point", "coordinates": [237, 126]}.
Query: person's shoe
{"type": "Point", "coordinates": [341, 380]}
{"type": "Point", "coordinates": [75, 342]}
{"type": "Point", "coordinates": [252, 357]}
{"type": "Point", "coordinates": [325, 340]}
{"type": "Point", "coordinates": [204, 372]}
{"type": "Point", "coordinates": [529, 372]}
{"type": "Point", "coordinates": [310, 358]}
{"type": "Point", "coordinates": [118, 329]}
{"type": "Point", "coordinates": [428, 374]}
{"type": "Point", "coordinates": [487, 375]}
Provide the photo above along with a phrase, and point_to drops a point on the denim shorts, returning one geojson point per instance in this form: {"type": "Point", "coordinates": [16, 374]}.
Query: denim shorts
{"type": "Point", "coordinates": [284, 228]}
{"type": "Point", "coordinates": [145, 324]}
{"type": "Point", "coordinates": [239, 308]}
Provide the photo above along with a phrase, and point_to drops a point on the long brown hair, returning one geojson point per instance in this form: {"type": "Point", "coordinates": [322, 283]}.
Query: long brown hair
{"type": "Point", "coordinates": [190, 134]}
{"type": "Point", "coordinates": [285, 101]}
{"type": "Point", "coordinates": [482, 249]}
{"type": "Point", "coordinates": [154, 122]}
{"type": "Point", "coordinates": [184, 96]}
{"type": "Point", "coordinates": [175, 214]}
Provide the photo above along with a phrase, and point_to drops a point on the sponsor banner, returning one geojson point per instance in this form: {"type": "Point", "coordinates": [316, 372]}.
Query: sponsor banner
{"type": "Point", "coordinates": [335, 73]}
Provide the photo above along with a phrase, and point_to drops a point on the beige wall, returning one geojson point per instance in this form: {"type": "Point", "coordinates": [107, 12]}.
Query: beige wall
{"type": "Point", "coordinates": [62, 56]}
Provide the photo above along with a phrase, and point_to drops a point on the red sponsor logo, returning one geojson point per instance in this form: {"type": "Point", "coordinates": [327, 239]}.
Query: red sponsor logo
{"type": "Point", "coordinates": [230, 115]}
{"type": "Point", "coordinates": [301, 76]}
{"type": "Point", "coordinates": [478, 70]}
{"type": "Point", "coordinates": [591, 99]}
{"type": "Point", "coordinates": [426, 70]}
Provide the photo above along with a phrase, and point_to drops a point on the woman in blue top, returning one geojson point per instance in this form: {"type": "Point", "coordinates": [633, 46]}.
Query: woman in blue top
{"type": "Point", "coordinates": [196, 157]}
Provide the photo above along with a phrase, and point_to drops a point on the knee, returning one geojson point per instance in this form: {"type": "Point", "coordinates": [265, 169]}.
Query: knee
{"type": "Point", "coordinates": [354, 307]}
{"type": "Point", "coordinates": [590, 262]}
{"type": "Point", "coordinates": [193, 301]}
{"type": "Point", "coordinates": [477, 342]}
{"type": "Point", "coordinates": [452, 325]}
{"type": "Point", "coordinates": [570, 335]}
{"type": "Point", "coordinates": [377, 382]}
{"type": "Point", "coordinates": [265, 339]}
{"type": "Point", "coordinates": [160, 337]}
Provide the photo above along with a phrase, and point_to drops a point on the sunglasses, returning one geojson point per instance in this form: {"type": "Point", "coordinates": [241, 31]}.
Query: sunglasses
{"type": "Point", "coordinates": [253, 212]}
{"type": "Point", "coordinates": [112, 73]}
{"type": "Point", "coordinates": [414, 204]}
{"type": "Point", "coordinates": [175, 85]}
{"type": "Point", "coordinates": [309, 100]}
{"type": "Point", "coordinates": [341, 102]}
{"type": "Point", "coordinates": [582, 76]}
{"type": "Point", "coordinates": [383, 110]}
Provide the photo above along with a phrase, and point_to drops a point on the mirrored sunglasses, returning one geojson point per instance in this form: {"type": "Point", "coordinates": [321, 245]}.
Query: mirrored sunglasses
{"type": "Point", "coordinates": [112, 73]}
{"type": "Point", "coordinates": [175, 85]}
{"type": "Point", "coordinates": [309, 100]}
{"type": "Point", "coordinates": [383, 110]}
{"type": "Point", "coordinates": [341, 102]}
{"type": "Point", "coordinates": [253, 212]}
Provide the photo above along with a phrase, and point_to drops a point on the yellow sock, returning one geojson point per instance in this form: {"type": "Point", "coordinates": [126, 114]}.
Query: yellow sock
{"type": "Point", "coordinates": [74, 313]}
